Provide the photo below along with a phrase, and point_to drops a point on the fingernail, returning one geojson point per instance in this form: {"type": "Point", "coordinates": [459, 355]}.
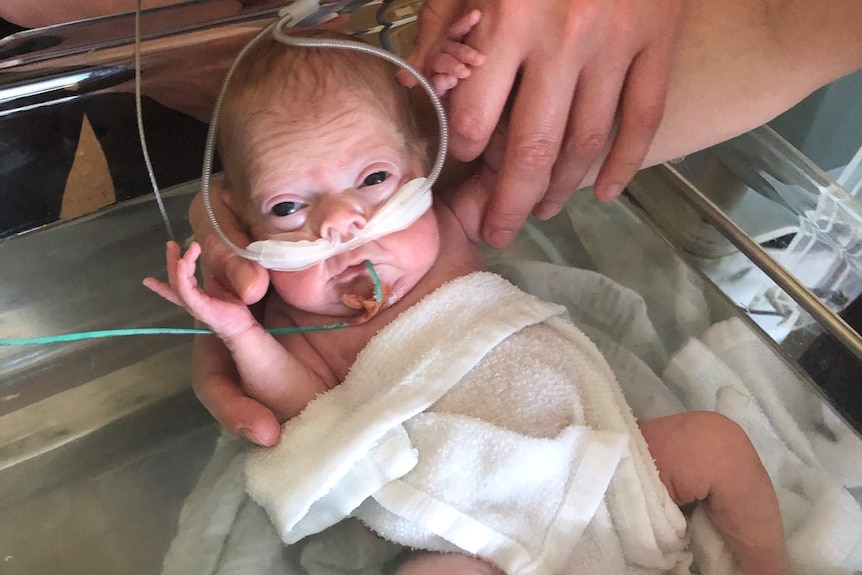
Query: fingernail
{"type": "Point", "coordinates": [501, 238]}
{"type": "Point", "coordinates": [247, 434]}
{"type": "Point", "coordinates": [547, 210]}
{"type": "Point", "coordinates": [612, 192]}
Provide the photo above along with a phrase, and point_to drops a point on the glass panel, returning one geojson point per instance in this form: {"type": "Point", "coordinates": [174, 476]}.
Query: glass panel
{"type": "Point", "coordinates": [802, 218]}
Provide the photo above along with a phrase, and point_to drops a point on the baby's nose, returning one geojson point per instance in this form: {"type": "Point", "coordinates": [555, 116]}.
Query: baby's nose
{"type": "Point", "coordinates": [342, 215]}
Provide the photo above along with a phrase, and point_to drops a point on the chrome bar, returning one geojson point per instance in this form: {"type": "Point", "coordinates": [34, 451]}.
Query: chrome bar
{"type": "Point", "coordinates": [830, 321]}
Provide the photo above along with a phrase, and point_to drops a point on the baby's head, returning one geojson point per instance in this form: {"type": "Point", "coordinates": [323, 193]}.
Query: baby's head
{"type": "Point", "coordinates": [313, 141]}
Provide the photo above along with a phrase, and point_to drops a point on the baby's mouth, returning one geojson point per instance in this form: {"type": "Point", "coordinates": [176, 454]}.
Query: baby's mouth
{"type": "Point", "coordinates": [350, 273]}
{"type": "Point", "coordinates": [360, 293]}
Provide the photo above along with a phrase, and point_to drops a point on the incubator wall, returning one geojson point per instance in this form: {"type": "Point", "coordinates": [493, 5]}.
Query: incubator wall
{"type": "Point", "coordinates": [102, 442]}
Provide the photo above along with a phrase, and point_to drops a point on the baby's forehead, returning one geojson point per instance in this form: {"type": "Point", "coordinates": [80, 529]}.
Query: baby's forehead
{"type": "Point", "coordinates": [328, 112]}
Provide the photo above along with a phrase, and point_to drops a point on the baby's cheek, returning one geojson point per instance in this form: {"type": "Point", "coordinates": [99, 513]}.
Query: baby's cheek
{"type": "Point", "coordinates": [296, 288]}
{"type": "Point", "coordinates": [421, 243]}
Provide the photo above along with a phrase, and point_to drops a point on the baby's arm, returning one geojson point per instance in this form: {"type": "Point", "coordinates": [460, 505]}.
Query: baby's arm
{"type": "Point", "coordinates": [270, 374]}
{"type": "Point", "coordinates": [451, 59]}
{"type": "Point", "coordinates": [704, 456]}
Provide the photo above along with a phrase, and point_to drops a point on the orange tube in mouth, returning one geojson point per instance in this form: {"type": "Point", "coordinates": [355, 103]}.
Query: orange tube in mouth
{"type": "Point", "coordinates": [370, 306]}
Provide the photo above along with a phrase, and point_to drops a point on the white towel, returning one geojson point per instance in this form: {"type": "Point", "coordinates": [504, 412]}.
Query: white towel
{"type": "Point", "coordinates": [570, 491]}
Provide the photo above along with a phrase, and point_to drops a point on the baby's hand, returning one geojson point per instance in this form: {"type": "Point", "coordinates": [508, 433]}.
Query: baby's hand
{"type": "Point", "coordinates": [450, 59]}
{"type": "Point", "coordinates": [226, 315]}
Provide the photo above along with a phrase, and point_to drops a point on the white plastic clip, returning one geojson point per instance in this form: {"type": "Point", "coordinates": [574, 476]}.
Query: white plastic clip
{"type": "Point", "coordinates": [298, 11]}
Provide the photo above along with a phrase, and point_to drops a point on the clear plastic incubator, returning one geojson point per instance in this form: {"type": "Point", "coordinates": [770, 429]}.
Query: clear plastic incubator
{"type": "Point", "coordinates": [729, 280]}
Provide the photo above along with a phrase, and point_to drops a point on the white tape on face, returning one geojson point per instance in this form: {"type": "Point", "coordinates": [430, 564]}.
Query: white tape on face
{"type": "Point", "coordinates": [399, 212]}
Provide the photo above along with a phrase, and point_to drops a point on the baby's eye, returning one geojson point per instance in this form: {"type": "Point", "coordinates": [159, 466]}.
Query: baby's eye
{"type": "Point", "coordinates": [375, 178]}
{"type": "Point", "coordinates": [282, 209]}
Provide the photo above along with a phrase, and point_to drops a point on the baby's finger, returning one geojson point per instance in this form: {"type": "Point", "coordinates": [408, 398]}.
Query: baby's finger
{"type": "Point", "coordinates": [163, 289]}
{"type": "Point", "coordinates": [189, 262]}
{"type": "Point", "coordinates": [442, 83]}
{"type": "Point", "coordinates": [445, 64]}
{"type": "Point", "coordinates": [194, 300]}
{"type": "Point", "coordinates": [193, 253]}
{"type": "Point", "coordinates": [186, 268]}
{"type": "Point", "coordinates": [463, 53]}
{"type": "Point", "coordinates": [464, 24]}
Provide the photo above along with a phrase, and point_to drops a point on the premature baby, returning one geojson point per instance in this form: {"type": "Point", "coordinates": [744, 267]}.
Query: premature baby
{"type": "Point", "coordinates": [313, 142]}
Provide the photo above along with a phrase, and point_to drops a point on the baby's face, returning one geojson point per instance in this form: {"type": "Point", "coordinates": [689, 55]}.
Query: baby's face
{"type": "Point", "coordinates": [322, 178]}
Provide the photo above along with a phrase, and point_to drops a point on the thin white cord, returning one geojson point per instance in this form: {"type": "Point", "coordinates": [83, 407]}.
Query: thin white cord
{"type": "Point", "coordinates": [140, 118]}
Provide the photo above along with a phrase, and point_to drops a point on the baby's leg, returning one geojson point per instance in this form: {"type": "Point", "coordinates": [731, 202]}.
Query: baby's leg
{"type": "Point", "coordinates": [446, 564]}
{"type": "Point", "coordinates": [704, 456]}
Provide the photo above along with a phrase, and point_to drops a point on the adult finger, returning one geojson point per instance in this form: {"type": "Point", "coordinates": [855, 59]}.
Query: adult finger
{"type": "Point", "coordinates": [589, 126]}
{"type": "Point", "coordinates": [216, 385]}
{"type": "Point", "coordinates": [172, 256]}
{"type": "Point", "coordinates": [248, 280]}
{"type": "Point", "coordinates": [641, 111]}
{"type": "Point", "coordinates": [495, 151]}
{"type": "Point", "coordinates": [163, 289]}
{"type": "Point", "coordinates": [239, 413]}
{"type": "Point", "coordinates": [535, 133]}
{"type": "Point", "coordinates": [476, 104]}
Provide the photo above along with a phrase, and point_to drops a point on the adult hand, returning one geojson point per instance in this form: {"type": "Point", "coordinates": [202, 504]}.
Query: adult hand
{"type": "Point", "coordinates": [217, 385]}
{"type": "Point", "coordinates": [245, 278]}
{"type": "Point", "coordinates": [571, 67]}
{"type": "Point", "coordinates": [214, 376]}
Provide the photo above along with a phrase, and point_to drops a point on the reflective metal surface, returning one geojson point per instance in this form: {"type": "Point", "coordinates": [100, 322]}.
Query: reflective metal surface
{"type": "Point", "coordinates": [74, 59]}
{"type": "Point", "coordinates": [100, 440]}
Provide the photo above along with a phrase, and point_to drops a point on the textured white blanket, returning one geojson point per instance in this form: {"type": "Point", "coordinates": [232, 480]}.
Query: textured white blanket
{"type": "Point", "coordinates": [665, 363]}
{"type": "Point", "coordinates": [479, 420]}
